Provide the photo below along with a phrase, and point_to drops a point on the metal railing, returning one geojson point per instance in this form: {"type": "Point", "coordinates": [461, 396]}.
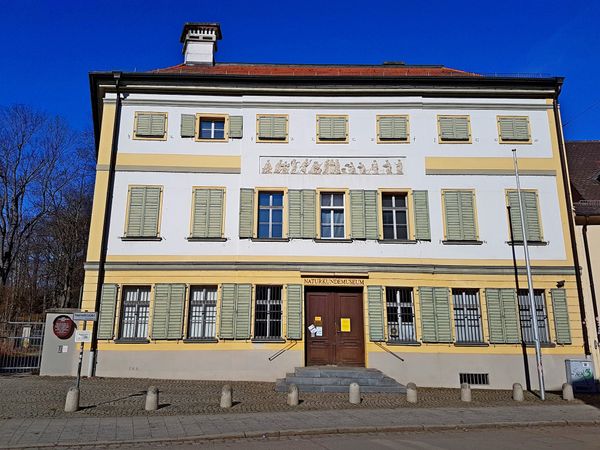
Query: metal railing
{"type": "Point", "coordinates": [21, 346]}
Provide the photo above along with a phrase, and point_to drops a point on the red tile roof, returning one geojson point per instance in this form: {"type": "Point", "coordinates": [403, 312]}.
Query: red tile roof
{"type": "Point", "coordinates": [584, 171]}
{"type": "Point", "coordinates": [392, 70]}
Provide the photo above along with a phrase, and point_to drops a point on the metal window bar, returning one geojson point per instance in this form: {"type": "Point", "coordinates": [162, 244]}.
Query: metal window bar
{"type": "Point", "coordinates": [526, 319]}
{"type": "Point", "coordinates": [21, 346]}
{"type": "Point", "coordinates": [273, 227]}
{"type": "Point", "coordinates": [467, 315]}
{"type": "Point", "coordinates": [395, 216]}
{"type": "Point", "coordinates": [202, 318]}
{"type": "Point", "coordinates": [400, 314]}
{"type": "Point", "coordinates": [267, 312]}
{"type": "Point", "coordinates": [136, 312]}
{"type": "Point", "coordinates": [332, 216]}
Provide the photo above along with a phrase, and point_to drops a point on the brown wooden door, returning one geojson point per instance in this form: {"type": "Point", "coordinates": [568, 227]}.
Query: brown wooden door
{"type": "Point", "coordinates": [337, 345]}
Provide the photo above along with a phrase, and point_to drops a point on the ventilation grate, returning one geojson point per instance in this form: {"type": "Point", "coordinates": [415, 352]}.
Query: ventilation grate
{"type": "Point", "coordinates": [474, 378]}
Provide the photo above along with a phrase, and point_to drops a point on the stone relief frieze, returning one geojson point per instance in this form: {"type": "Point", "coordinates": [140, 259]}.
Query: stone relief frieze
{"type": "Point", "coordinates": [275, 165]}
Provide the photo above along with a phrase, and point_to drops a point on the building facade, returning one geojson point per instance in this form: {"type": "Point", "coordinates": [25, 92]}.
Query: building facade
{"type": "Point", "coordinates": [253, 218]}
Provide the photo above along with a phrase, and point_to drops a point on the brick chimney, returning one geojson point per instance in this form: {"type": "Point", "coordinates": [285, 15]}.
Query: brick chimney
{"type": "Point", "coordinates": [200, 42]}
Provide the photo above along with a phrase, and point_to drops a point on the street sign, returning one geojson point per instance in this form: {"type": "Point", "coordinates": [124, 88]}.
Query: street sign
{"type": "Point", "coordinates": [85, 316]}
{"type": "Point", "coordinates": [83, 336]}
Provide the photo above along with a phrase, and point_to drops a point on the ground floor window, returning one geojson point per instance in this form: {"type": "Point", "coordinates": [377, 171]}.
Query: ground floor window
{"type": "Point", "coordinates": [467, 315]}
{"type": "Point", "coordinates": [267, 312]}
{"type": "Point", "coordinates": [135, 312]}
{"type": "Point", "coordinates": [527, 320]}
{"type": "Point", "coordinates": [202, 317]}
{"type": "Point", "coordinates": [400, 314]}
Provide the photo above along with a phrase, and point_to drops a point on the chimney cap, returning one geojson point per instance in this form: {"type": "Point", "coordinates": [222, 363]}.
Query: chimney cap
{"type": "Point", "coordinates": [194, 25]}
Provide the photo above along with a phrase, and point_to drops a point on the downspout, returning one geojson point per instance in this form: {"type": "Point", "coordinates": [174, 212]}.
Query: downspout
{"type": "Point", "coordinates": [588, 261]}
{"type": "Point", "coordinates": [567, 188]}
{"type": "Point", "coordinates": [106, 222]}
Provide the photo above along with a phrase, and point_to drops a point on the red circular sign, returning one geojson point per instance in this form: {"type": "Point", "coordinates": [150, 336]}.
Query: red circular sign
{"type": "Point", "coordinates": [63, 327]}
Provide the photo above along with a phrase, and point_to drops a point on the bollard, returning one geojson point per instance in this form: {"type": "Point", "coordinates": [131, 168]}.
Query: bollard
{"type": "Point", "coordinates": [517, 392]}
{"type": "Point", "coordinates": [567, 392]}
{"type": "Point", "coordinates": [72, 401]}
{"type": "Point", "coordinates": [292, 397]}
{"type": "Point", "coordinates": [354, 393]}
{"type": "Point", "coordinates": [151, 399]}
{"type": "Point", "coordinates": [226, 396]}
{"type": "Point", "coordinates": [465, 392]}
{"type": "Point", "coordinates": [411, 393]}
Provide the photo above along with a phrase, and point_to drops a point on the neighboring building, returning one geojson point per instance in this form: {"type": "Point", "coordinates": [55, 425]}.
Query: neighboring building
{"type": "Point", "coordinates": [584, 173]}
{"type": "Point", "coordinates": [264, 217]}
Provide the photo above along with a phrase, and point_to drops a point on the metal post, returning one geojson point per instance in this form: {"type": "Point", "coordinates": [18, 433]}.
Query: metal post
{"type": "Point", "coordinates": [536, 336]}
{"type": "Point", "coordinates": [80, 359]}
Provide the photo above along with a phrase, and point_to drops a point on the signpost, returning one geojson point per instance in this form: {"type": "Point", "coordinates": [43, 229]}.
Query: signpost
{"type": "Point", "coordinates": [83, 336]}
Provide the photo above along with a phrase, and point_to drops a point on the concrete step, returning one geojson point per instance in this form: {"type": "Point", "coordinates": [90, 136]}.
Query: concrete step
{"type": "Point", "coordinates": [385, 381]}
{"type": "Point", "coordinates": [398, 389]}
{"type": "Point", "coordinates": [337, 372]}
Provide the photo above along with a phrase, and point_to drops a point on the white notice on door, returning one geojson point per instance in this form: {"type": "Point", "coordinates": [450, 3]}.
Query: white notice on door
{"type": "Point", "coordinates": [319, 331]}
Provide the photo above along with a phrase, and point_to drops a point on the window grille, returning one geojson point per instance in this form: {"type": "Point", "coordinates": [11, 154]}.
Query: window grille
{"type": "Point", "coordinates": [136, 311]}
{"type": "Point", "coordinates": [332, 216]}
{"type": "Point", "coordinates": [395, 213]}
{"type": "Point", "coordinates": [474, 378]}
{"type": "Point", "coordinates": [527, 320]}
{"type": "Point", "coordinates": [400, 314]}
{"type": "Point", "coordinates": [267, 313]}
{"type": "Point", "coordinates": [467, 315]}
{"type": "Point", "coordinates": [202, 313]}
{"type": "Point", "coordinates": [270, 215]}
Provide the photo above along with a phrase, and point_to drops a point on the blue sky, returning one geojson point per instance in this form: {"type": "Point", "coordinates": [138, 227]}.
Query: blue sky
{"type": "Point", "coordinates": [48, 48]}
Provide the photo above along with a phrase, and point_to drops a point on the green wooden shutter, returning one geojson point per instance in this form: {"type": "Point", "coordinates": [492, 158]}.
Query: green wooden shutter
{"type": "Point", "coordinates": [215, 213]}
{"type": "Point", "coordinates": [246, 213]}
{"type": "Point", "coordinates": [502, 316]}
{"type": "Point", "coordinates": [495, 317]}
{"type": "Point", "coordinates": [421, 211]}
{"type": "Point", "coordinates": [106, 315]}
{"type": "Point", "coordinates": [357, 214]}
{"type": "Point", "coordinates": [375, 302]}
{"type": "Point", "coordinates": [325, 127]}
{"type": "Point", "coordinates": [294, 311]}
{"type": "Point", "coordinates": [227, 316]}
{"type": "Point", "coordinates": [510, 314]}
{"type": "Point", "coordinates": [339, 128]}
{"type": "Point", "coordinates": [460, 215]}
{"type": "Point", "coordinates": [371, 214]}
{"type": "Point", "coordinates": [309, 214]}
{"type": "Point", "coordinates": [144, 209]}
{"type": "Point", "coordinates": [454, 128]}
{"type": "Point", "coordinates": [279, 127]}
{"type": "Point", "coordinates": [467, 211]}
{"type": "Point", "coordinates": [236, 127]}
{"type": "Point", "coordinates": [188, 125]}
{"type": "Point", "coordinates": [514, 128]}
{"type": "Point", "coordinates": [302, 219]}
{"type": "Point", "coordinates": [561, 316]}
{"type": "Point", "coordinates": [393, 128]}
{"type": "Point", "coordinates": [294, 214]}
{"type": "Point", "coordinates": [176, 306]}
{"type": "Point", "coordinates": [158, 125]}
{"type": "Point", "coordinates": [266, 127]}
{"type": "Point", "coordinates": [427, 306]}
{"type": "Point", "coordinates": [143, 126]}
{"type": "Point", "coordinates": [243, 311]}
{"type": "Point", "coordinates": [442, 314]}
{"type": "Point", "coordinates": [200, 213]}
{"type": "Point", "coordinates": [532, 217]}
{"type": "Point", "coordinates": [333, 128]}
{"type": "Point", "coordinates": [167, 314]}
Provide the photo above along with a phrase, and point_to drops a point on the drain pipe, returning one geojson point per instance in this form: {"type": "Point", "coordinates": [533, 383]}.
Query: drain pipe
{"type": "Point", "coordinates": [106, 222]}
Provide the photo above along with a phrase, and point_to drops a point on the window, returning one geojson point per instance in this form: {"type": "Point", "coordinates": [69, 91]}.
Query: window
{"type": "Point", "coordinates": [332, 129]}
{"type": "Point", "coordinates": [400, 314]}
{"type": "Point", "coordinates": [459, 214]}
{"type": "Point", "coordinates": [514, 129]}
{"type": "Point", "coordinates": [454, 129]}
{"type": "Point", "coordinates": [529, 199]}
{"type": "Point", "coordinates": [207, 213]}
{"type": "Point", "coordinates": [395, 216]}
{"type": "Point", "coordinates": [267, 313]}
{"type": "Point", "coordinates": [150, 125]}
{"type": "Point", "coordinates": [332, 216]}
{"type": "Point", "coordinates": [467, 315]}
{"type": "Point", "coordinates": [203, 312]}
{"type": "Point", "coordinates": [271, 128]}
{"type": "Point", "coordinates": [135, 312]}
{"type": "Point", "coordinates": [270, 215]}
{"type": "Point", "coordinates": [392, 129]}
{"type": "Point", "coordinates": [143, 212]}
{"type": "Point", "coordinates": [212, 127]}
{"type": "Point", "coordinates": [527, 320]}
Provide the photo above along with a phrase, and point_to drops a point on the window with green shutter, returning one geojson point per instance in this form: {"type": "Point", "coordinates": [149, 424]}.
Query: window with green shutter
{"type": "Point", "coordinates": [236, 307]}
{"type": "Point", "coordinates": [561, 316]}
{"type": "Point", "coordinates": [143, 212]}
{"type": "Point", "coordinates": [108, 307]}
{"type": "Point", "coordinates": [295, 299]}
{"type": "Point", "coordinates": [332, 129]}
{"type": "Point", "coordinates": [188, 125]}
{"type": "Point", "coordinates": [503, 322]}
{"type": "Point", "coordinates": [246, 224]}
{"type": "Point", "coordinates": [272, 128]}
{"type": "Point", "coordinates": [167, 313]}
{"type": "Point", "coordinates": [150, 125]}
{"type": "Point", "coordinates": [236, 127]}
{"type": "Point", "coordinates": [459, 215]}
{"type": "Point", "coordinates": [529, 199]}
{"type": "Point", "coordinates": [375, 304]}
{"type": "Point", "coordinates": [207, 214]}
{"type": "Point", "coordinates": [394, 210]}
{"type": "Point", "coordinates": [454, 129]}
{"type": "Point", "coordinates": [421, 213]}
{"type": "Point", "coordinates": [513, 129]}
{"type": "Point", "coordinates": [302, 216]}
{"type": "Point", "coordinates": [435, 314]}
{"type": "Point", "coordinates": [392, 129]}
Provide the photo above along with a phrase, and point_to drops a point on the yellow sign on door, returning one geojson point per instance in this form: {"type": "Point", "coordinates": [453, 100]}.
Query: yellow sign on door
{"type": "Point", "coordinates": [345, 324]}
{"type": "Point", "coordinates": [318, 321]}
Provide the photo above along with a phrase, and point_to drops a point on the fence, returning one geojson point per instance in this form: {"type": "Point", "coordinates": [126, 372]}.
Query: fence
{"type": "Point", "coordinates": [21, 346]}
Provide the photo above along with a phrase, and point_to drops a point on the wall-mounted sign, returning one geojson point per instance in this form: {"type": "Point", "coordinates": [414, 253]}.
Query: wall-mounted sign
{"type": "Point", "coordinates": [85, 316]}
{"type": "Point", "coordinates": [334, 281]}
{"type": "Point", "coordinates": [275, 165]}
{"type": "Point", "coordinates": [63, 327]}
{"type": "Point", "coordinates": [83, 336]}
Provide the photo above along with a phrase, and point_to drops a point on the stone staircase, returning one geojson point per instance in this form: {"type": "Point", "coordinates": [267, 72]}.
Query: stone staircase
{"type": "Point", "coordinates": [338, 379]}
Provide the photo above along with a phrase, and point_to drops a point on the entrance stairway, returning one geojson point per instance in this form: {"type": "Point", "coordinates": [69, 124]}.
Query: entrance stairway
{"type": "Point", "coordinates": [338, 379]}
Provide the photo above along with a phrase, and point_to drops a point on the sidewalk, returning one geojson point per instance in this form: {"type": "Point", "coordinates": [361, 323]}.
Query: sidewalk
{"type": "Point", "coordinates": [98, 431]}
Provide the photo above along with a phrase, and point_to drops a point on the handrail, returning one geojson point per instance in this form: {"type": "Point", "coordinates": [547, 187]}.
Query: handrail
{"type": "Point", "coordinates": [281, 351]}
{"type": "Point", "coordinates": [379, 344]}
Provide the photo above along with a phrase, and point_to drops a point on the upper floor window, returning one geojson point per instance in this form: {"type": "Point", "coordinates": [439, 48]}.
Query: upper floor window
{"type": "Point", "coordinates": [392, 129]}
{"type": "Point", "coordinates": [533, 224]}
{"type": "Point", "coordinates": [514, 130]}
{"type": "Point", "coordinates": [143, 212]}
{"type": "Point", "coordinates": [150, 125]}
{"type": "Point", "coordinates": [454, 129]}
{"type": "Point", "coordinates": [272, 128]}
{"type": "Point", "coordinates": [212, 128]}
{"type": "Point", "coordinates": [332, 215]}
{"type": "Point", "coordinates": [332, 129]}
{"type": "Point", "coordinates": [460, 216]}
{"type": "Point", "coordinates": [135, 312]}
{"type": "Point", "coordinates": [395, 216]}
{"type": "Point", "coordinates": [270, 215]}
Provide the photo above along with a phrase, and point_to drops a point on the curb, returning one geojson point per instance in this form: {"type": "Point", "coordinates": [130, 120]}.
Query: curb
{"type": "Point", "coordinates": [320, 432]}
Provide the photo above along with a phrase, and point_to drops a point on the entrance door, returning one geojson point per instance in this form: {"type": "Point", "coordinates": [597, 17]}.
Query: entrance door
{"type": "Point", "coordinates": [340, 339]}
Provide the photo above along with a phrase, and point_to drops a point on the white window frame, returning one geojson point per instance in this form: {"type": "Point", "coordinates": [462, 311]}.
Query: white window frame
{"type": "Point", "coordinates": [394, 209]}
{"type": "Point", "coordinates": [331, 208]}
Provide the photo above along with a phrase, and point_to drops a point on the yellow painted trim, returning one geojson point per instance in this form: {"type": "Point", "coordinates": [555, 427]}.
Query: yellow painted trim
{"type": "Point", "coordinates": [472, 191]}
{"type": "Point", "coordinates": [501, 141]}
{"type": "Point", "coordinates": [285, 224]}
{"type": "Point", "coordinates": [347, 225]}
{"type": "Point", "coordinates": [393, 141]}
{"type": "Point", "coordinates": [454, 116]}
{"type": "Point", "coordinates": [225, 117]}
{"type": "Point", "coordinates": [192, 214]}
{"type": "Point", "coordinates": [409, 209]}
{"type": "Point", "coordinates": [345, 141]}
{"type": "Point", "coordinates": [539, 213]}
{"type": "Point", "coordinates": [435, 165]}
{"type": "Point", "coordinates": [273, 141]}
{"type": "Point", "coordinates": [150, 138]}
{"type": "Point", "coordinates": [160, 207]}
{"type": "Point", "coordinates": [184, 163]}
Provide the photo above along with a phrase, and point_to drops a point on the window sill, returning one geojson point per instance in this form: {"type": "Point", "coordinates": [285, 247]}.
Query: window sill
{"type": "Point", "coordinates": [268, 341]}
{"type": "Point", "coordinates": [542, 344]}
{"type": "Point", "coordinates": [471, 344]}
{"type": "Point", "coordinates": [320, 240]}
{"type": "Point", "coordinates": [529, 243]}
{"type": "Point", "coordinates": [270, 239]}
{"type": "Point", "coordinates": [202, 239]}
{"type": "Point", "coordinates": [403, 343]}
{"type": "Point", "coordinates": [396, 241]}
{"type": "Point", "coordinates": [462, 242]}
{"type": "Point", "coordinates": [142, 238]}
{"type": "Point", "coordinates": [200, 341]}
{"type": "Point", "coordinates": [132, 341]}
